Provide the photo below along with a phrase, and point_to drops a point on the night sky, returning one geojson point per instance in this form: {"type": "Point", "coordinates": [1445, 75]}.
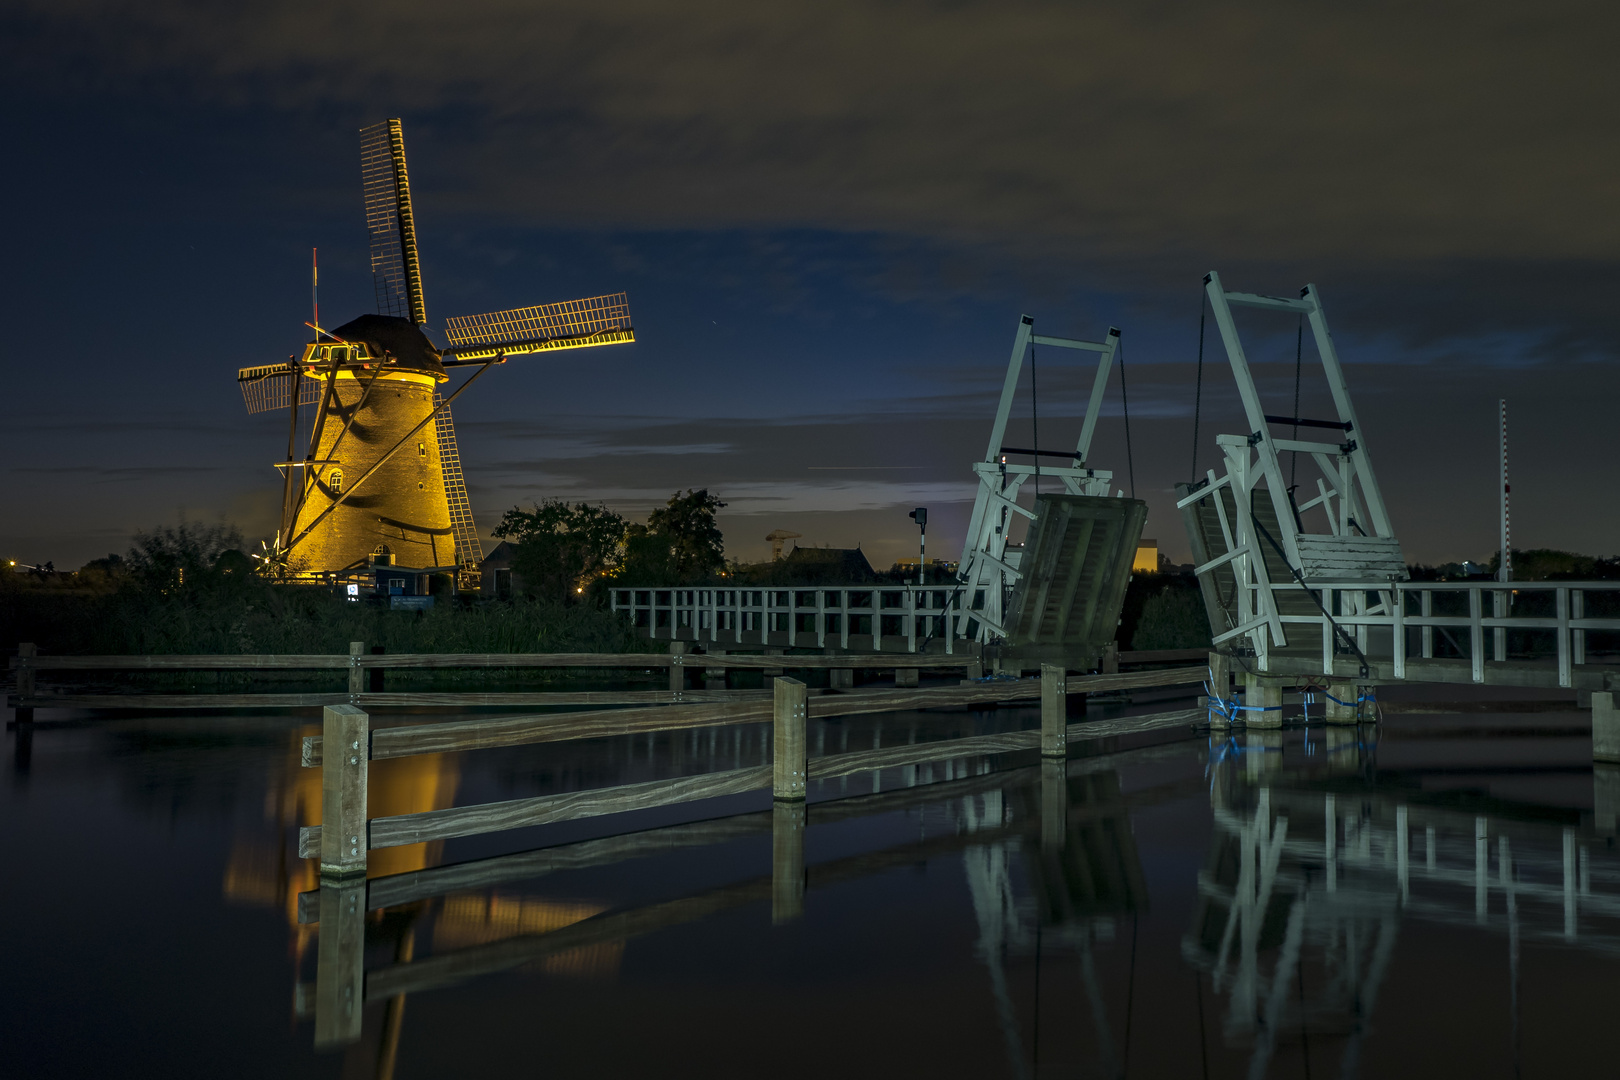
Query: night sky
{"type": "Point", "coordinates": [828, 217]}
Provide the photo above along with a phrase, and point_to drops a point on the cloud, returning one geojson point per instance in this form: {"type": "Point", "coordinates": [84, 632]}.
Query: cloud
{"type": "Point", "coordinates": [1266, 132]}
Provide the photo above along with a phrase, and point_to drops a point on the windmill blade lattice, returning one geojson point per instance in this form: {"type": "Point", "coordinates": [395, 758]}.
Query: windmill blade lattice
{"type": "Point", "coordinates": [269, 387]}
{"type": "Point", "coordinates": [571, 324]}
{"type": "Point", "coordinates": [396, 271]}
{"type": "Point", "coordinates": [469, 549]}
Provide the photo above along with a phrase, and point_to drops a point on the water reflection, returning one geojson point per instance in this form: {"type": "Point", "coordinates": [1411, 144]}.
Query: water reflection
{"type": "Point", "coordinates": [1319, 864]}
{"type": "Point", "coordinates": [1336, 899]}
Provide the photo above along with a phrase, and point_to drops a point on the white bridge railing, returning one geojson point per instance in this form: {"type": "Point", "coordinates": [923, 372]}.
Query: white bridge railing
{"type": "Point", "coordinates": [1392, 606]}
{"type": "Point", "coordinates": [876, 618]}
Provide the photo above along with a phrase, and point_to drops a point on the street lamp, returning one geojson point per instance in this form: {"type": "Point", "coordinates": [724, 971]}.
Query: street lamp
{"type": "Point", "coordinates": [920, 516]}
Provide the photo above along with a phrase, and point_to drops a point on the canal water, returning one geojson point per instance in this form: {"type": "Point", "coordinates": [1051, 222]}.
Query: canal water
{"type": "Point", "coordinates": [1437, 895]}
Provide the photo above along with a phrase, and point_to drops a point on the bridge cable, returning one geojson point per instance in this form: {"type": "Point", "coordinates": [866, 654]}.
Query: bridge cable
{"type": "Point", "coordinates": [1198, 392]}
{"type": "Point", "coordinates": [1130, 463]}
{"type": "Point", "coordinates": [1299, 346]}
{"type": "Point", "coordinates": [1034, 411]}
{"type": "Point", "coordinates": [1339, 633]}
{"type": "Point", "coordinates": [1293, 455]}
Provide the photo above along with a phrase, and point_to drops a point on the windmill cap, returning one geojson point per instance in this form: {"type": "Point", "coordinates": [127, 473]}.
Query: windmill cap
{"type": "Point", "coordinates": [404, 339]}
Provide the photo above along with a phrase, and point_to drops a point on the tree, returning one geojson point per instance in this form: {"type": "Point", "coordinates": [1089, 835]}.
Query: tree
{"type": "Point", "coordinates": [680, 543]}
{"type": "Point", "coordinates": [188, 555]}
{"type": "Point", "coordinates": [561, 549]}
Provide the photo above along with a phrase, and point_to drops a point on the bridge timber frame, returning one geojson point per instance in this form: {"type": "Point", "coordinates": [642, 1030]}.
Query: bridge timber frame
{"type": "Point", "coordinates": [1254, 459]}
{"type": "Point", "coordinates": [985, 572]}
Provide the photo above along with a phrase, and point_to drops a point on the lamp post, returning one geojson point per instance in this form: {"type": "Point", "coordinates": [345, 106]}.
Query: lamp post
{"type": "Point", "coordinates": [920, 516]}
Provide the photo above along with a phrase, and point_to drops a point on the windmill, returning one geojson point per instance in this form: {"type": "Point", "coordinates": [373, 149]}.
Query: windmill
{"type": "Point", "coordinates": [380, 479]}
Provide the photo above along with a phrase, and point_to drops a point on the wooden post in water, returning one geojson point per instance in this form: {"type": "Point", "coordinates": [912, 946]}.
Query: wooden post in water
{"type": "Point", "coordinates": [1605, 727]}
{"type": "Point", "coordinates": [26, 685]}
{"type": "Point", "coordinates": [787, 861]}
{"type": "Point", "coordinates": [340, 973]}
{"type": "Point", "coordinates": [357, 674]}
{"type": "Point", "coordinates": [1220, 675]}
{"type": "Point", "coordinates": [839, 678]}
{"type": "Point", "coordinates": [788, 744]}
{"type": "Point", "coordinates": [1054, 712]}
{"type": "Point", "coordinates": [1346, 692]}
{"type": "Point", "coordinates": [1262, 699]}
{"type": "Point", "coordinates": [677, 670]}
{"type": "Point", "coordinates": [1109, 664]}
{"type": "Point", "coordinates": [345, 754]}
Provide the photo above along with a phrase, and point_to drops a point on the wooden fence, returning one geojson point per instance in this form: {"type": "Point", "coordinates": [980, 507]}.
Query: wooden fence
{"type": "Point", "coordinates": [366, 669]}
{"type": "Point", "coordinates": [345, 835]}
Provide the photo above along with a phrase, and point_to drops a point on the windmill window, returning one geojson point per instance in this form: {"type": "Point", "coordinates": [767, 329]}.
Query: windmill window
{"type": "Point", "coordinates": [421, 449]}
{"type": "Point", "coordinates": [421, 486]}
{"type": "Point", "coordinates": [335, 481]}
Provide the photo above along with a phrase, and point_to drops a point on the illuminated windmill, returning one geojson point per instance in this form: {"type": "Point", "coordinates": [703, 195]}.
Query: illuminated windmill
{"type": "Point", "coordinates": [381, 475]}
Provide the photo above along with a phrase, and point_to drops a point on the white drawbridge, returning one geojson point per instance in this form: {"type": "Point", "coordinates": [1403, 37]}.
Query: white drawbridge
{"type": "Point", "coordinates": [988, 571]}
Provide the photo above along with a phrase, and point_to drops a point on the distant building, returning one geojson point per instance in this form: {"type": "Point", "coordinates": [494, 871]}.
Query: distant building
{"type": "Point", "coordinates": [1147, 556]}
{"type": "Point", "coordinates": [495, 572]}
{"type": "Point", "coordinates": [815, 566]}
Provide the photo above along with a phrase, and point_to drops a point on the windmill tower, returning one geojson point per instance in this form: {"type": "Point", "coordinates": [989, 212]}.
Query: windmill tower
{"type": "Point", "coordinates": [380, 479]}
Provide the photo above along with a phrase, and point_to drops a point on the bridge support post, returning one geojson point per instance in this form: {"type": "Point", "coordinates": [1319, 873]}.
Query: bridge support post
{"type": "Point", "coordinates": [1220, 675]}
{"type": "Point", "coordinates": [714, 678]}
{"type": "Point", "coordinates": [345, 760]}
{"type": "Point", "coordinates": [1054, 712]}
{"type": "Point", "coordinates": [839, 678]}
{"type": "Point", "coordinates": [1346, 692]}
{"type": "Point", "coordinates": [1605, 727]}
{"type": "Point", "coordinates": [906, 676]}
{"type": "Point", "coordinates": [677, 669]}
{"type": "Point", "coordinates": [788, 743]}
{"type": "Point", "coordinates": [357, 674]}
{"type": "Point", "coordinates": [1262, 699]}
{"type": "Point", "coordinates": [1108, 664]}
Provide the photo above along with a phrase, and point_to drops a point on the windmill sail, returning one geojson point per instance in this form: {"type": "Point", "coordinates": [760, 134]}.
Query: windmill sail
{"type": "Point", "coordinates": [572, 324]}
{"type": "Point", "coordinates": [469, 549]}
{"type": "Point", "coordinates": [395, 272]}
{"type": "Point", "coordinates": [269, 387]}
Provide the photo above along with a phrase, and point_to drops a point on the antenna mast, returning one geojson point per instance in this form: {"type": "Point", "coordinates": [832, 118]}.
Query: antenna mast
{"type": "Point", "coordinates": [1504, 570]}
{"type": "Point", "coordinates": [315, 284]}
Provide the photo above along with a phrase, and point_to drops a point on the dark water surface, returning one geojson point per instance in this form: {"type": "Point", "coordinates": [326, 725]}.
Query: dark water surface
{"type": "Point", "coordinates": [1178, 910]}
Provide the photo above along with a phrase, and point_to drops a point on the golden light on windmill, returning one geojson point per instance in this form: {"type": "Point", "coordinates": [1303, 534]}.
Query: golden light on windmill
{"type": "Point", "coordinates": [358, 496]}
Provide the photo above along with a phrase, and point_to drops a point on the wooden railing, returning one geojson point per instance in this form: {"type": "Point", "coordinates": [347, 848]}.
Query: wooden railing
{"type": "Point", "coordinates": [342, 850]}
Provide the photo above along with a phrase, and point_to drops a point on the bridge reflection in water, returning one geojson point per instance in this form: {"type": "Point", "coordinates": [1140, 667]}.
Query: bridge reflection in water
{"type": "Point", "coordinates": [1315, 867]}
